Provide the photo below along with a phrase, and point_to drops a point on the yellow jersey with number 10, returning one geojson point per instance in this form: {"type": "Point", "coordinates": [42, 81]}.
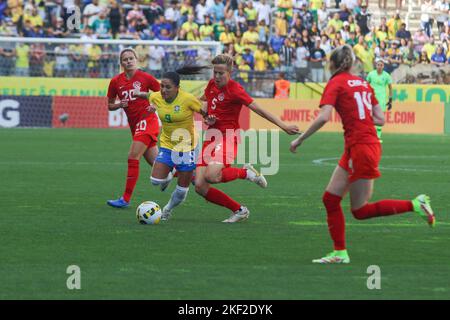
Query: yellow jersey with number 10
{"type": "Point", "coordinates": [177, 118]}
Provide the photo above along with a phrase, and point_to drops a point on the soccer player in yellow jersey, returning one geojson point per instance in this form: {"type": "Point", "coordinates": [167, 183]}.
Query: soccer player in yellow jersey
{"type": "Point", "coordinates": [178, 140]}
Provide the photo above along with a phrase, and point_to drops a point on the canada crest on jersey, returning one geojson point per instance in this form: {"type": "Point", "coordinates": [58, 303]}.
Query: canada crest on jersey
{"type": "Point", "coordinates": [221, 96]}
{"type": "Point", "coordinates": [137, 85]}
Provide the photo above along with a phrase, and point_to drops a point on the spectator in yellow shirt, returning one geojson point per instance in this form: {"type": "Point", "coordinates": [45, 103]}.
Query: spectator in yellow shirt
{"type": "Point", "coordinates": [382, 33]}
{"type": "Point", "coordinates": [336, 22]}
{"type": "Point", "coordinates": [189, 27]}
{"type": "Point", "coordinates": [250, 38]}
{"type": "Point", "coordinates": [243, 76]}
{"type": "Point", "coordinates": [207, 31]}
{"type": "Point", "coordinates": [251, 13]}
{"type": "Point", "coordinates": [281, 23]}
{"type": "Point", "coordinates": [35, 19]}
{"type": "Point", "coordinates": [273, 59]}
{"type": "Point", "coordinates": [227, 37]}
{"type": "Point", "coordinates": [261, 57]}
{"type": "Point", "coordinates": [394, 25]}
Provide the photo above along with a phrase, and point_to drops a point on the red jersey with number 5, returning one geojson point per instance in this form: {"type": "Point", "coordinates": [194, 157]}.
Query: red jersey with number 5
{"type": "Point", "coordinates": [124, 88]}
{"type": "Point", "coordinates": [353, 99]}
{"type": "Point", "coordinates": [226, 104]}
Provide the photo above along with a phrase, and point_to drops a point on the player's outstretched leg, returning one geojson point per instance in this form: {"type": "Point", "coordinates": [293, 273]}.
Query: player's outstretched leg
{"type": "Point", "coordinates": [178, 196]}
{"type": "Point", "coordinates": [247, 172]}
{"type": "Point", "coordinates": [255, 176]}
{"type": "Point", "coordinates": [422, 206]}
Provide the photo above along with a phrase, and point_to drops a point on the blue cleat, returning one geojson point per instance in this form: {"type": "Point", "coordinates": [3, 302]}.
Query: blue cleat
{"type": "Point", "coordinates": [119, 203]}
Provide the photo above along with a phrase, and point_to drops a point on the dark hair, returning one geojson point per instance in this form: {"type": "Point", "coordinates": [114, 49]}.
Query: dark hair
{"type": "Point", "coordinates": [172, 76]}
{"type": "Point", "coordinates": [191, 69]}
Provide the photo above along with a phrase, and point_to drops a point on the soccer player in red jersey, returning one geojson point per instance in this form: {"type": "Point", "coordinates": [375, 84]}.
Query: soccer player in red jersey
{"type": "Point", "coordinates": [225, 98]}
{"type": "Point", "coordinates": [355, 102]}
{"type": "Point", "coordinates": [143, 122]}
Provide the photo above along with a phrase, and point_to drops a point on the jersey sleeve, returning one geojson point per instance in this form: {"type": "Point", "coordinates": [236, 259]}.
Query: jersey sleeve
{"type": "Point", "coordinates": [112, 90]}
{"type": "Point", "coordinates": [330, 94]}
{"type": "Point", "coordinates": [194, 104]}
{"type": "Point", "coordinates": [152, 83]}
{"type": "Point", "coordinates": [241, 95]}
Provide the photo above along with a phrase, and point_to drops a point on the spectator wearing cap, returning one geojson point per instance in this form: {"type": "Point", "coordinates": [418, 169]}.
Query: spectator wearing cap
{"type": "Point", "coordinates": [345, 31]}
{"type": "Point", "coordinates": [362, 19]}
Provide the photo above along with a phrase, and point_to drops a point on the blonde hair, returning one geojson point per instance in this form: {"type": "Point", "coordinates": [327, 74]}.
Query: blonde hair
{"type": "Point", "coordinates": [343, 58]}
{"type": "Point", "coordinates": [225, 59]}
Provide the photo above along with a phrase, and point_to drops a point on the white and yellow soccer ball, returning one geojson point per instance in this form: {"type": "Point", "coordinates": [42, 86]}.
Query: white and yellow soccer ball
{"type": "Point", "coordinates": [148, 212]}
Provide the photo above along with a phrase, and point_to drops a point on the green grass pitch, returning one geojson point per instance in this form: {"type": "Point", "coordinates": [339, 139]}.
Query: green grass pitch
{"type": "Point", "coordinates": [55, 183]}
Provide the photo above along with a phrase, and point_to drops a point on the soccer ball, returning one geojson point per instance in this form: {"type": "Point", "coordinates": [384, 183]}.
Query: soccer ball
{"type": "Point", "coordinates": [148, 212]}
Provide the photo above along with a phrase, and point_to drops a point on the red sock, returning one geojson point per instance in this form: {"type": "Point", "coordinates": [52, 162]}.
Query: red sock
{"type": "Point", "coordinates": [132, 177]}
{"type": "Point", "coordinates": [382, 208]}
{"type": "Point", "coordinates": [218, 197]}
{"type": "Point", "coordinates": [230, 174]}
{"type": "Point", "coordinates": [335, 219]}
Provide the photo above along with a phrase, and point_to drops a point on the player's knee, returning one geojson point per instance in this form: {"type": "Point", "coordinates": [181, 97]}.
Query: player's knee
{"type": "Point", "coordinates": [213, 177]}
{"type": "Point", "coordinates": [201, 188]}
{"type": "Point", "coordinates": [331, 201]}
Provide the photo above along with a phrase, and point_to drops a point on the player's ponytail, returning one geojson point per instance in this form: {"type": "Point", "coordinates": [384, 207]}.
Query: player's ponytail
{"type": "Point", "coordinates": [342, 58]}
{"type": "Point", "coordinates": [191, 69]}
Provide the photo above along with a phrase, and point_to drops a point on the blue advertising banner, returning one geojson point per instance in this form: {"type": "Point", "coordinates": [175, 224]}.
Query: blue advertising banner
{"type": "Point", "coordinates": [23, 111]}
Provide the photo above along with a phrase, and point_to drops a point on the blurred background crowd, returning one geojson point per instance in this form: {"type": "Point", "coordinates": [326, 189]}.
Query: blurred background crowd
{"type": "Point", "coordinates": [265, 36]}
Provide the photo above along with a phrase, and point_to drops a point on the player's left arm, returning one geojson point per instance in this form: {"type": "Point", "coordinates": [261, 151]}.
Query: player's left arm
{"type": "Point", "coordinates": [377, 115]}
{"type": "Point", "coordinates": [323, 117]}
{"type": "Point", "coordinates": [389, 104]}
{"type": "Point", "coordinates": [289, 129]}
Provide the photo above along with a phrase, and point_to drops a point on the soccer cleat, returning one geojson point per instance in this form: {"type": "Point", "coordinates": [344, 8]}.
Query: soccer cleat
{"type": "Point", "coordinates": [421, 205]}
{"type": "Point", "coordinates": [166, 183]}
{"type": "Point", "coordinates": [254, 176]}
{"type": "Point", "coordinates": [166, 214]}
{"type": "Point", "coordinates": [239, 215]}
{"type": "Point", "coordinates": [119, 203]}
{"type": "Point", "coordinates": [335, 257]}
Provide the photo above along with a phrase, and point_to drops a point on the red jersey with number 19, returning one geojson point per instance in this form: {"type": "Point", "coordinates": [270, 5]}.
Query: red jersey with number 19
{"type": "Point", "coordinates": [226, 103]}
{"type": "Point", "coordinates": [353, 98]}
{"type": "Point", "coordinates": [137, 107]}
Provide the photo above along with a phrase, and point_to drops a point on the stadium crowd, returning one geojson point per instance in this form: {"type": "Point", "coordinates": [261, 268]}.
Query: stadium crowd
{"type": "Point", "coordinates": [292, 36]}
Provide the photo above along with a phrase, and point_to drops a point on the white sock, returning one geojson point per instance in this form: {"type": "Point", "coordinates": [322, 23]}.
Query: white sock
{"type": "Point", "coordinates": [250, 175]}
{"type": "Point", "coordinates": [177, 197]}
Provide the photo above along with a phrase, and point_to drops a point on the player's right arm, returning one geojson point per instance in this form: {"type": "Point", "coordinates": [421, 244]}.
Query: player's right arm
{"type": "Point", "coordinates": [323, 117]}
{"type": "Point", "coordinates": [377, 115]}
{"type": "Point", "coordinates": [112, 94]}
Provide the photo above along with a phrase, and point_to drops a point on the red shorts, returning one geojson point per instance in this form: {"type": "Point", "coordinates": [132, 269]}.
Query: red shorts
{"type": "Point", "coordinates": [146, 131]}
{"type": "Point", "coordinates": [361, 161]}
{"type": "Point", "coordinates": [223, 151]}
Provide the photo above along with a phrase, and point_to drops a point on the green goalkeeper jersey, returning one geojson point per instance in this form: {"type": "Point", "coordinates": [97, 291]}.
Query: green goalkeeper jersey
{"type": "Point", "coordinates": [379, 82]}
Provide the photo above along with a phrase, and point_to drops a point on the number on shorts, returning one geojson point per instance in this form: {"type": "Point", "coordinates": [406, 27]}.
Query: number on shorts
{"type": "Point", "coordinates": [141, 126]}
{"type": "Point", "coordinates": [363, 101]}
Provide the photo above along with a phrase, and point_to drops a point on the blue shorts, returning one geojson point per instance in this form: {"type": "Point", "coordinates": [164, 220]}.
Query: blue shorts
{"type": "Point", "coordinates": [182, 161]}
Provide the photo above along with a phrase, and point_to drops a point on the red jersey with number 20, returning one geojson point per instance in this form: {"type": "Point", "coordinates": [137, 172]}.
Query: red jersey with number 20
{"type": "Point", "coordinates": [353, 99]}
{"type": "Point", "coordinates": [124, 88]}
{"type": "Point", "coordinates": [226, 104]}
